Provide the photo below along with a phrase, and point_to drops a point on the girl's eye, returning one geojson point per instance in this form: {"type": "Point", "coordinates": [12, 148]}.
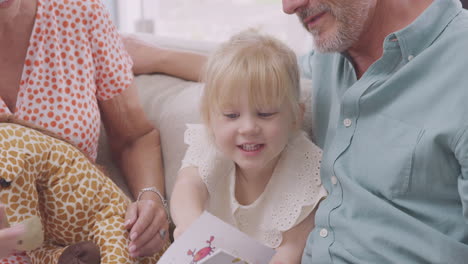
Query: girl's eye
{"type": "Point", "coordinates": [231, 115]}
{"type": "Point", "coordinates": [266, 114]}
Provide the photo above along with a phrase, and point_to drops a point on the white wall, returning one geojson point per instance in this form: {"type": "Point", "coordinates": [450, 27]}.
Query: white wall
{"type": "Point", "coordinates": [213, 20]}
{"type": "Point", "coordinates": [112, 6]}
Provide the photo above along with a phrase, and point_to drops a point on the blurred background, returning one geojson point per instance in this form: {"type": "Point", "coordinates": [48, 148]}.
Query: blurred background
{"type": "Point", "coordinates": [208, 20]}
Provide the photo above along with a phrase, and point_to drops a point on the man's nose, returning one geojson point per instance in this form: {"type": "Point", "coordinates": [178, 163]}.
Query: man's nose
{"type": "Point", "coordinates": [291, 6]}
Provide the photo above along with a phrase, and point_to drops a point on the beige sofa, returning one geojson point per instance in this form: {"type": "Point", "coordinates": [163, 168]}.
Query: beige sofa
{"type": "Point", "coordinates": [170, 103]}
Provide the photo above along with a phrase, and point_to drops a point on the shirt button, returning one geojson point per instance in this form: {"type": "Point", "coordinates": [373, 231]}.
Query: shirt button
{"type": "Point", "coordinates": [334, 180]}
{"type": "Point", "coordinates": [410, 57]}
{"type": "Point", "coordinates": [323, 232]}
{"type": "Point", "coordinates": [347, 122]}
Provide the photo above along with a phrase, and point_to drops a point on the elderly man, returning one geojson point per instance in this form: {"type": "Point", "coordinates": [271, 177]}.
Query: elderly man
{"type": "Point", "coordinates": [391, 114]}
{"type": "Point", "coordinates": [391, 90]}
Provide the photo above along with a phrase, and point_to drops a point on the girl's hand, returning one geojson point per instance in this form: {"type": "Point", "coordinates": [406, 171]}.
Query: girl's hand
{"type": "Point", "coordinates": [178, 231]}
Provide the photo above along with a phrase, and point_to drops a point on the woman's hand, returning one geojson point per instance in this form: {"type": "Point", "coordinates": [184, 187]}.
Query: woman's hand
{"type": "Point", "coordinates": [149, 227]}
{"type": "Point", "coordinates": [8, 235]}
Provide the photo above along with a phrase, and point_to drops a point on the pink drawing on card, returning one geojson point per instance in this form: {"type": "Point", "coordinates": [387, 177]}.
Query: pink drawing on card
{"type": "Point", "coordinates": [202, 253]}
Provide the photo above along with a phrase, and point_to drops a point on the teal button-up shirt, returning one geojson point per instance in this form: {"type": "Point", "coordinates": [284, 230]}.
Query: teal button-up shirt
{"type": "Point", "coordinates": [395, 147]}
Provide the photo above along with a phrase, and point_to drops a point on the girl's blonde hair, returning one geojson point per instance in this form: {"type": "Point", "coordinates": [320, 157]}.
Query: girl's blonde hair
{"type": "Point", "coordinates": [260, 63]}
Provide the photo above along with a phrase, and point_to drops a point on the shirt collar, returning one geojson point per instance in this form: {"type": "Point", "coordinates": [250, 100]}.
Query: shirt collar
{"type": "Point", "coordinates": [420, 34]}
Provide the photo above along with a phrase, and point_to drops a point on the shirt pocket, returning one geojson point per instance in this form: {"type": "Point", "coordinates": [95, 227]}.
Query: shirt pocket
{"type": "Point", "coordinates": [381, 155]}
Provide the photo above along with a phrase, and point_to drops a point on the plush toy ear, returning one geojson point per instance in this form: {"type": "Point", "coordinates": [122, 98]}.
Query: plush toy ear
{"type": "Point", "coordinates": [34, 235]}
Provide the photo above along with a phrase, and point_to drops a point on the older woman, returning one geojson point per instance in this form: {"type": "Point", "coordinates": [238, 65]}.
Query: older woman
{"type": "Point", "coordinates": [63, 67]}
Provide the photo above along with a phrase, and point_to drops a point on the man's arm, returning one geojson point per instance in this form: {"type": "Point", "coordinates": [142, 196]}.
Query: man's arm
{"type": "Point", "coordinates": [148, 58]}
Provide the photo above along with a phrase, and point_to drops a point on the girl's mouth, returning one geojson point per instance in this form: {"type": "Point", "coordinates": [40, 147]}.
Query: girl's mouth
{"type": "Point", "coordinates": [251, 147]}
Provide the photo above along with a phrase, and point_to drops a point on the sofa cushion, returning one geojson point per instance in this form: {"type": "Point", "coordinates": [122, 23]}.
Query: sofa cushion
{"type": "Point", "coordinates": [170, 103]}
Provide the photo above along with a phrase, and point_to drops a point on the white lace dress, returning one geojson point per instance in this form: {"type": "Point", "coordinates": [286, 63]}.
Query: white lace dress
{"type": "Point", "coordinates": [291, 194]}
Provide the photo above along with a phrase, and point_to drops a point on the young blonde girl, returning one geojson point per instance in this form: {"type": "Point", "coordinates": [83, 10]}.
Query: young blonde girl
{"type": "Point", "coordinates": [250, 164]}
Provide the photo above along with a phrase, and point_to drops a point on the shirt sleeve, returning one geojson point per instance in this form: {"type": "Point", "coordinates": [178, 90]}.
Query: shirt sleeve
{"type": "Point", "coordinates": [202, 153]}
{"type": "Point", "coordinates": [112, 63]}
{"type": "Point", "coordinates": [461, 153]}
{"type": "Point", "coordinates": [304, 62]}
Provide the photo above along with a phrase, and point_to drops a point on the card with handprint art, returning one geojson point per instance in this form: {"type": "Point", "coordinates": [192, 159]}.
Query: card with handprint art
{"type": "Point", "coordinates": [209, 240]}
{"type": "Point", "coordinates": [222, 257]}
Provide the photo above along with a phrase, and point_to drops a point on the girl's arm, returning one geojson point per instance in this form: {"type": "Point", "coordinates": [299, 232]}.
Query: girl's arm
{"type": "Point", "coordinates": [294, 240]}
{"type": "Point", "coordinates": [188, 199]}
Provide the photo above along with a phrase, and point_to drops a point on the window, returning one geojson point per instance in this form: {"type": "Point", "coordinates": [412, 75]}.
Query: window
{"type": "Point", "coordinates": [210, 20]}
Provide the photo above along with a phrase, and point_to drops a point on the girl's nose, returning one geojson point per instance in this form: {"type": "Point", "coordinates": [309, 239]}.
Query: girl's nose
{"type": "Point", "coordinates": [249, 126]}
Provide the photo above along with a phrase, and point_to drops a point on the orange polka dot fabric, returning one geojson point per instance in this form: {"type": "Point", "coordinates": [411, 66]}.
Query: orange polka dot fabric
{"type": "Point", "coordinates": [75, 58]}
{"type": "Point", "coordinates": [16, 259]}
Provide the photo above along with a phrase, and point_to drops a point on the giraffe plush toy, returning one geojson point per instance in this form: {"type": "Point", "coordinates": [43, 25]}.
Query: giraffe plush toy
{"type": "Point", "coordinates": [81, 210]}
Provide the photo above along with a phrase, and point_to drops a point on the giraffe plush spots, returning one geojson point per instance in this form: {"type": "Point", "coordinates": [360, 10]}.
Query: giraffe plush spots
{"type": "Point", "coordinates": [81, 209]}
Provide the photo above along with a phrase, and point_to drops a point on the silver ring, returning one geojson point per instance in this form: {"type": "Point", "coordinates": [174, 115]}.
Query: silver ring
{"type": "Point", "coordinates": [162, 233]}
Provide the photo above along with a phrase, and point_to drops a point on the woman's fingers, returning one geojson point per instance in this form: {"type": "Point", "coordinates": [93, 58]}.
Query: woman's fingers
{"type": "Point", "coordinates": [150, 231]}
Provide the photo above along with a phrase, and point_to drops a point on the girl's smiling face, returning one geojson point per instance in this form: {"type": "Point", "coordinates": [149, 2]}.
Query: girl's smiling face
{"type": "Point", "coordinates": [253, 137]}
